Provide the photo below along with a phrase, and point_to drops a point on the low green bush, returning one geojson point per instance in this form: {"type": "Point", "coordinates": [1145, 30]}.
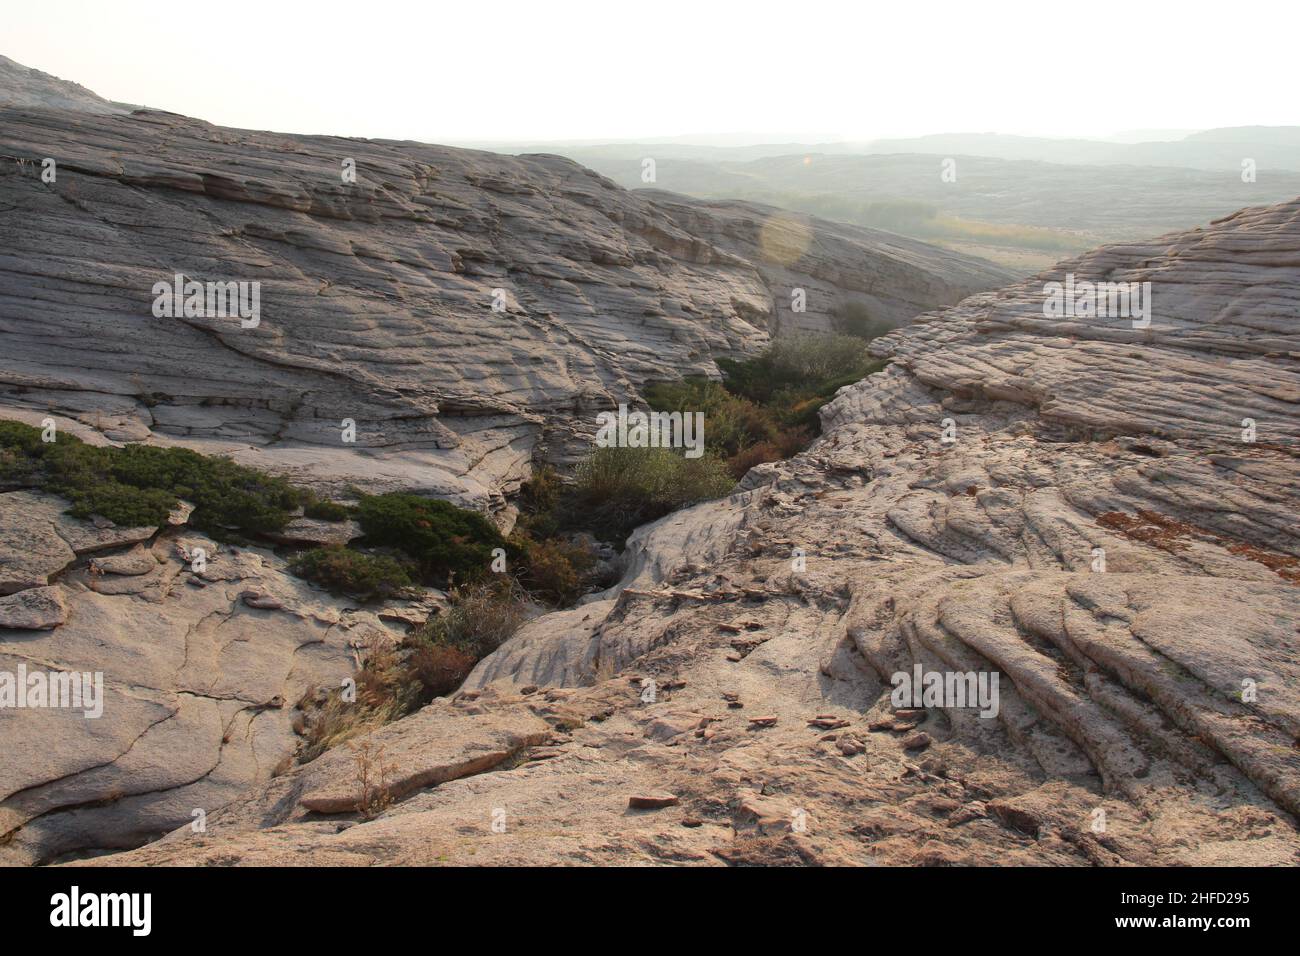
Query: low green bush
{"type": "Point", "coordinates": [539, 503]}
{"type": "Point", "coordinates": [616, 489]}
{"type": "Point", "coordinates": [731, 422]}
{"type": "Point", "coordinates": [542, 491]}
{"type": "Point", "coordinates": [855, 319]}
{"type": "Point", "coordinates": [17, 470]}
{"type": "Point", "coordinates": [321, 510]}
{"type": "Point", "coordinates": [20, 439]}
{"type": "Point", "coordinates": [140, 484]}
{"type": "Point", "coordinates": [797, 362]}
{"type": "Point", "coordinates": [355, 573]}
{"type": "Point", "coordinates": [696, 394]}
{"type": "Point", "coordinates": [804, 360]}
{"type": "Point", "coordinates": [225, 495]}
{"type": "Point", "coordinates": [124, 505]}
{"type": "Point", "coordinates": [79, 472]}
{"type": "Point", "coordinates": [447, 543]}
{"type": "Point", "coordinates": [767, 408]}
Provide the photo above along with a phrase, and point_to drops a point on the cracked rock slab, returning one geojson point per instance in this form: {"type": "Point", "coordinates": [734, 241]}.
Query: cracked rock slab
{"type": "Point", "coordinates": [36, 609]}
{"type": "Point", "coordinates": [430, 748]}
{"type": "Point", "coordinates": [194, 686]}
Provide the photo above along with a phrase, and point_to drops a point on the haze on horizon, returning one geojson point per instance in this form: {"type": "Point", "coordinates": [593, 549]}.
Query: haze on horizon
{"type": "Point", "coordinates": [576, 70]}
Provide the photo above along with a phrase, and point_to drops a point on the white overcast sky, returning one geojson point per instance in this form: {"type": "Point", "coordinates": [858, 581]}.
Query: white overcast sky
{"type": "Point", "coordinates": [629, 69]}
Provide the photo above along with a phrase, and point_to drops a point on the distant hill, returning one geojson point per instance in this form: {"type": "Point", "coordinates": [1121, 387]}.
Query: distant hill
{"type": "Point", "coordinates": [1272, 147]}
{"type": "Point", "coordinates": [23, 87]}
{"type": "Point", "coordinates": [1021, 201]}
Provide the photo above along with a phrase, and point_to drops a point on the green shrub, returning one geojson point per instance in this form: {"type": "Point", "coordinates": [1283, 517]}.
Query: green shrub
{"type": "Point", "coordinates": [69, 465]}
{"type": "Point", "coordinates": [540, 525]}
{"type": "Point", "coordinates": [542, 491]}
{"type": "Point", "coordinates": [539, 502]}
{"type": "Point", "coordinates": [747, 378]}
{"type": "Point", "coordinates": [17, 470]}
{"type": "Point", "coordinates": [803, 363]}
{"type": "Point", "coordinates": [225, 495]}
{"type": "Point", "coordinates": [737, 425]}
{"type": "Point", "coordinates": [124, 505]}
{"type": "Point", "coordinates": [767, 408]}
{"type": "Point", "coordinates": [140, 484]}
{"type": "Point", "coordinates": [616, 489]}
{"type": "Point", "coordinates": [731, 423]}
{"type": "Point", "coordinates": [355, 573]}
{"type": "Point", "coordinates": [22, 456]}
{"type": "Point", "coordinates": [807, 359]}
{"type": "Point", "coordinates": [326, 511]}
{"type": "Point", "coordinates": [855, 319]}
{"type": "Point", "coordinates": [21, 439]}
{"type": "Point", "coordinates": [445, 542]}
{"type": "Point", "coordinates": [696, 394]}
{"type": "Point", "coordinates": [82, 473]}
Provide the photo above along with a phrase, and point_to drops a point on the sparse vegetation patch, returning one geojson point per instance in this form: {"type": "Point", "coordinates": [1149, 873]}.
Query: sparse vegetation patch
{"type": "Point", "coordinates": [138, 485]}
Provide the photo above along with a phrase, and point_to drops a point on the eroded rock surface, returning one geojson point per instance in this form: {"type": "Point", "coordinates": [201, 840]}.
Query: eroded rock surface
{"type": "Point", "coordinates": [1097, 534]}
{"type": "Point", "coordinates": [467, 312]}
{"type": "Point", "coordinates": [461, 315]}
{"type": "Point", "coordinates": [34, 609]}
{"type": "Point", "coordinates": [198, 682]}
{"type": "Point", "coordinates": [37, 539]}
{"type": "Point", "coordinates": [22, 86]}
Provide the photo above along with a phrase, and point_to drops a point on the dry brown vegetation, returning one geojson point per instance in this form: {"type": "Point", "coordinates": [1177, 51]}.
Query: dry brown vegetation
{"type": "Point", "coordinates": [1170, 534]}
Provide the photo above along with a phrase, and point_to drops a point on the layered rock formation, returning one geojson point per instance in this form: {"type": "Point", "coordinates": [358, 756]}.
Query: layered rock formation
{"type": "Point", "coordinates": [376, 305]}
{"type": "Point", "coordinates": [469, 312]}
{"type": "Point", "coordinates": [23, 87]}
{"type": "Point", "coordinates": [1101, 516]}
{"type": "Point", "coordinates": [200, 668]}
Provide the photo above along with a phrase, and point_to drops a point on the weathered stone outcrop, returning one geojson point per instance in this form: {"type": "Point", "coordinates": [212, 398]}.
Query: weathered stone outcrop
{"type": "Point", "coordinates": [22, 86]}
{"type": "Point", "coordinates": [33, 609]}
{"type": "Point", "coordinates": [198, 680]}
{"type": "Point", "coordinates": [1074, 507]}
{"type": "Point", "coordinates": [464, 313]}
{"type": "Point", "coordinates": [467, 312]}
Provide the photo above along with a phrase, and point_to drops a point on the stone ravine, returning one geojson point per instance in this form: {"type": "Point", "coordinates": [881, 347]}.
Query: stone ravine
{"type": "Point", "coordinates": [1099, 535]}
{"type": "Point", "coordinates": [376, 296]}
{"type": "Point", "coordinates": [376, 306]}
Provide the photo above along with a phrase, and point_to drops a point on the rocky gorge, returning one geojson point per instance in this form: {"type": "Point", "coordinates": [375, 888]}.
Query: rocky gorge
{"type": "Point", "coordinates": [1099, 514]}
{"type": "Point", "coordinates": [1100, 530]}
{"type": "Point", "coordinates": [467, 314]}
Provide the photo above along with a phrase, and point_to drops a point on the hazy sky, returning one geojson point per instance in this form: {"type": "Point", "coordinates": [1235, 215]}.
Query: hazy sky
{"type": "Point", "coordinates": [566, 69]}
